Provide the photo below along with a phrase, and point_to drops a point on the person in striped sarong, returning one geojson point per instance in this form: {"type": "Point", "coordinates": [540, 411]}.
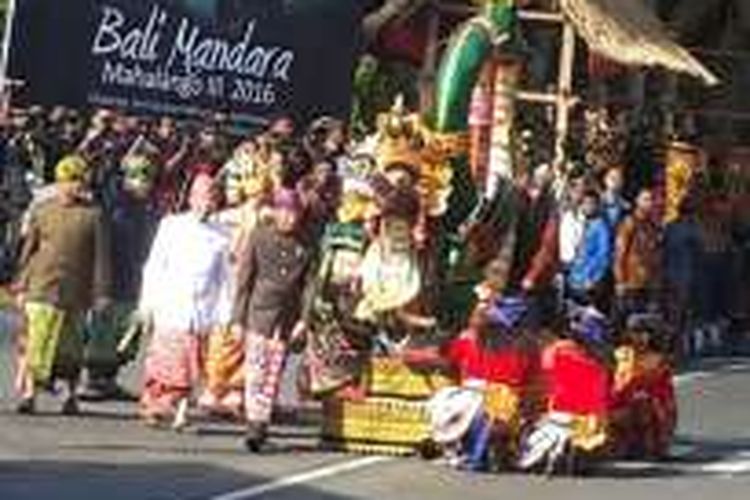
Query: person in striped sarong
{"type": "Point", "coordinates": [272, 271]}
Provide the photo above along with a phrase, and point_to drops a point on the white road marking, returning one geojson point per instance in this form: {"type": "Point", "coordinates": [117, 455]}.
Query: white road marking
{"type": "Point", "coordinates": [303, 477]}
{"type": "Point", "coordinates": [727, 467]}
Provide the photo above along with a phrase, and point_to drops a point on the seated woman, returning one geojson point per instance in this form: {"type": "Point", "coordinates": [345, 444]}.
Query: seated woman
{"type": "Point", "coordinates": [644, 406]}
{"type": "Point", "coordinates": [577, 374]}
{"type": "Point", "coordinates": [481, 417]}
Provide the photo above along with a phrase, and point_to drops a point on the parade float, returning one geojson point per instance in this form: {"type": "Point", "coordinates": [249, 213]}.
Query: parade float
{"type": "Point", "coordinates": [440, 200]}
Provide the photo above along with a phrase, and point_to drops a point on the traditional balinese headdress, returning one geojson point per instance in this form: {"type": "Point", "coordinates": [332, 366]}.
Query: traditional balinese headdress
{"type": "Point", "coordinates": [358, 196]}
{"type": "Point", "coordinates": [247, 172]}
{"type": "Point", "coordinates": [590, 326]}
{"type": "Point", "coordinates": [403, 139]}
{"type": "Point", "coordinates": [507, 312]}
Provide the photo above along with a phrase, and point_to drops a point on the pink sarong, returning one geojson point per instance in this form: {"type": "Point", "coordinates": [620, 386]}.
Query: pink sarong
{"type": "Point", "coordinates": [173, 367]}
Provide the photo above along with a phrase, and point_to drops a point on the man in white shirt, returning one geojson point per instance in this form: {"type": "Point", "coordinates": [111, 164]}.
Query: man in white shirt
{"type": "Point", "coordinates": [572, 222]}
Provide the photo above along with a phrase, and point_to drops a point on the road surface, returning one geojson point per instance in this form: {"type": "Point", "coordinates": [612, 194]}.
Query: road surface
{"type": "Point", "coordinates": [107, 454]}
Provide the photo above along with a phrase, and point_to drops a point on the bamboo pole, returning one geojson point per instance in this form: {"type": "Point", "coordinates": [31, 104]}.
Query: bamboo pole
{"type": "Point", "coordinates": [501, 166]}
{"type": "Point", "coordinates": [523, 14]}
{"type": "Point", "coordinates": [564, 93]}
{"type": "Point", "coordinates": [548, 98]}
{"type": "Point", "coordinates": [480, 123]}
{"type": "Point", "coordinates": [429, 66]}
{"type": "Point", "coordinates": [6, 85]}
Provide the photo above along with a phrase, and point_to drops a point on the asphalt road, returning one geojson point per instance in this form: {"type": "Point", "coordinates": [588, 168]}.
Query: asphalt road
{"type": "Point", "coordinates": [106, 454]}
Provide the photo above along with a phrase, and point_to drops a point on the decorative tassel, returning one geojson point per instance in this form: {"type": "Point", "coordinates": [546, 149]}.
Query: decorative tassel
{"type": "Point", "coordinates": [480, 124]}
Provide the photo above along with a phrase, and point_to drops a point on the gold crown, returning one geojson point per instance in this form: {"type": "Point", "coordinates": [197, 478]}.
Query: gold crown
{"type": "Point", "coordinates": [399, 137]}
{"type": "Point", "coordinates": [404, 138]}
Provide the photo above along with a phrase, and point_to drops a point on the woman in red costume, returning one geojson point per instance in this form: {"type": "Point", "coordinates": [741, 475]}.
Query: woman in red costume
{"type": "Point", "coordinates": [481, 417]}
{"type": "Point", "coordinates": [577, 374]}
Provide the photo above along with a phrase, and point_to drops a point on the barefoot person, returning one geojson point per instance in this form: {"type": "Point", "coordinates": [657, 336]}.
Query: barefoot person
{"type": "Point", "coordinates": [65, 265]}
{"type": "Point", "coordinates": [184, 297]}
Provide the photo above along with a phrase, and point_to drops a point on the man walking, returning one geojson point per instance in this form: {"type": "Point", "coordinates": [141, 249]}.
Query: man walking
{"type": "Point", "coordinates": [65, 271]}
{"type": "Point", "coordinates": [267, 307]}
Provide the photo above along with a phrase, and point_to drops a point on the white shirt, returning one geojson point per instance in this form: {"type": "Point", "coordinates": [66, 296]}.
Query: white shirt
{"type": "Point", "coordinates": [186, 281]}
{"type": "Point", "coordinates": [572, 226]}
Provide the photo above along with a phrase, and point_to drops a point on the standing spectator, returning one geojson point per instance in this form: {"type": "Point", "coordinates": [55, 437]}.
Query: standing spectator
{"type": "Point", "coordinates": [589, 270]}
{"type": "Point", "coordinates": [570, 231]}
{"type": "Point", "coordinates": [614, 206]}
{"type": "Point", "coordinates": [320, 193]}
{"type": "Point", "coordinates": [15, 197]}
{"type": "Point", "coordinates": [65, 265]}
{"type": "Point", "coordinates": [171, 151]}
{"type": "Point", "coordinates": [267, 308]}
{"type": "Point", "coordinates": [572, 222]}
{"type": "Point", "coordinates": [637, 258]}
{"type": "Point", "coordinates": [103, 147]}
{"type": "Point", "coordinates": [683, 251]}
{"type": "Point", "coordinates": [54, 138]}
{"type": "Point", "coordinates": [716, 269]}
{"type": "Point", "coordinates": [543, 259]}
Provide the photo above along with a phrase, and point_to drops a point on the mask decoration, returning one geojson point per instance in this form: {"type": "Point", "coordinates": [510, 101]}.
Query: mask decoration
{"type": "Point", "coordinates": [138, 174]}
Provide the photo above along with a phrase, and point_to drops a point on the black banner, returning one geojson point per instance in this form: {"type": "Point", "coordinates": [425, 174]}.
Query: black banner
{"type": "Point", "coordinates": [250, 58]}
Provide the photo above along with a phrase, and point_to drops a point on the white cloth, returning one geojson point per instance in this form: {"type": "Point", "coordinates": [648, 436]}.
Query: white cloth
{"type": "Point", "coordinates": [390, 280]}
{"type": "Point", "coordinates": [451, 411]}
{"type": "Point", "coordinates": [186, 280]}
{"type": "Point", "coordinates": [572, 227]}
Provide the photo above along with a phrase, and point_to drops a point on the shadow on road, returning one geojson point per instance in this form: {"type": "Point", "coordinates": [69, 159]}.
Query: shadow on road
{"type": "Point", "coordinates": [32, 480]}
{"type": "Point", "coordinates": [701, 456]}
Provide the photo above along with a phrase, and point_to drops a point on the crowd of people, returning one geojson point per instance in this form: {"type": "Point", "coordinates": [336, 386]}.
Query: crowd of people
{"type": "Point", "coordinates": [224, 253]}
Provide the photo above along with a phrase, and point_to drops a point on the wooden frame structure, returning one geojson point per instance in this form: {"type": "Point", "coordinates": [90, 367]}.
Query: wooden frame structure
{"type": "Point", "coordinates": [628, 34]}
{"type": "Point", "coordinates": [562, 98]}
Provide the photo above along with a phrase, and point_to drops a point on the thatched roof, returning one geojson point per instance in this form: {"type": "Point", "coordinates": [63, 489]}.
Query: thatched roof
{"type": "Point", "coordinates": [628, 32]}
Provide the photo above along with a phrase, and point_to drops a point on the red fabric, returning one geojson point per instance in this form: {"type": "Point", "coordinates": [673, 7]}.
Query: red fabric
{"type": "Point", "coordinates": [649, 409]}
{"type": "Point", "coordinates": [406, 40]}
{"type": "Point", "coordinates": [576, 382]}
{"type": "Point", "coordinates": [508, 365]}
{"type": "Point", "coordinates": [545, 263]}
{"type": "Point", "coordinates": [173, 366]}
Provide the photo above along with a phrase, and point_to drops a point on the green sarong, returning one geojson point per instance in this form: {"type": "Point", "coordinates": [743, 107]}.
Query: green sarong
{"type": "Point", "coordinates": [104, 331]}
{"type": "Point", "coordinates": [54, 346]}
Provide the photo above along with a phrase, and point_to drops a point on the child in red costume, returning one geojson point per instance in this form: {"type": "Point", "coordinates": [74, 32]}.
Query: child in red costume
{"type": "Point", "coordinates": [644, 399]}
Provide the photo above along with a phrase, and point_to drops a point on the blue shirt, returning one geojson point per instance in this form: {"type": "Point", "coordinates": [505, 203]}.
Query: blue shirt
{"type": "Point", "coordinates": [594, 257]}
